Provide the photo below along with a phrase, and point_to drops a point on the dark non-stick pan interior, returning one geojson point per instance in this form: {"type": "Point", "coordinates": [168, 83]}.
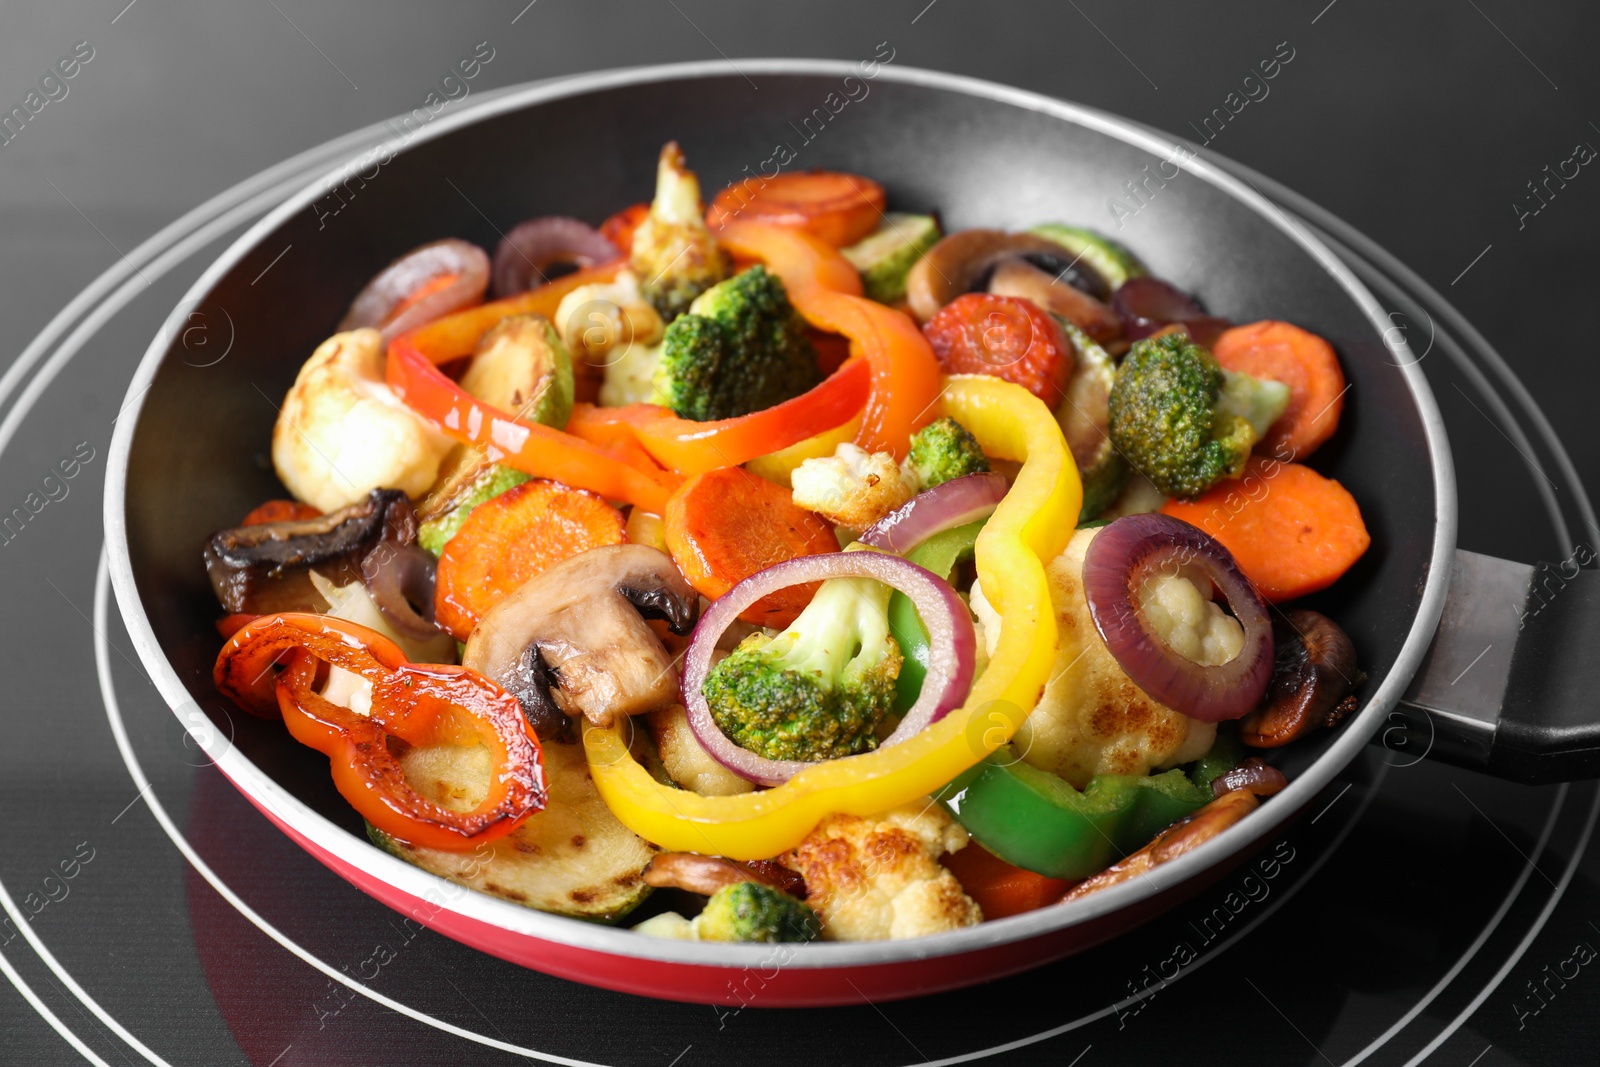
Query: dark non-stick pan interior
{"type": "Point", "coordinates": [199, 458]}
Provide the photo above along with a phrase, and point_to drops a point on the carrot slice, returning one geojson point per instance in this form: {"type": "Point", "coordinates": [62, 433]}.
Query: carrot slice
{"type": "Point", "coordinates": [512, 538]}
{"type": "Point", "coordinates": [618, 229]}
{"type": "Point", "coordinates": [1000, 888]}
{"type": "Point", "coordinates": [1291, 530]}
{"type": "Point", "coordinates": [725, 525]}
{"type": "Point", "coordinates": [839, 208]}
{"type": "Point", "coordinates": [1302, 361]}
{"type": "Point", "coordinates": [279, 511]}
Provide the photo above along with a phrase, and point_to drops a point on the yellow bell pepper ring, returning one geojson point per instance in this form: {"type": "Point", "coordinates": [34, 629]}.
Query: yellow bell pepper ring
{"type": "Point", "coordinates": [1031, 525]}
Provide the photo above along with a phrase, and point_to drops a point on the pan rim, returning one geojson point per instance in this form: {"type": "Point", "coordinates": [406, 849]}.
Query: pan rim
{"type": "Point", "coordinates": [621, 942]}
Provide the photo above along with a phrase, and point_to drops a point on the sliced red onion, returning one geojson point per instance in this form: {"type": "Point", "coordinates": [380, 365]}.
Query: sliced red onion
{"type": "Point", "coordinates": [1119, 559]}
{"type": "Point", "coordinates": [945, 506]}
{"type": "Point", "coordinates": [951, 649]}
{"type": "Point", "coordinates": [1147, 304]}
{"type": "Point", "coordinates": [457, 273]}
{"type": "Point", "coordinates": [536, 251]}
{"type": "Point", "coordinates": [399, 575]}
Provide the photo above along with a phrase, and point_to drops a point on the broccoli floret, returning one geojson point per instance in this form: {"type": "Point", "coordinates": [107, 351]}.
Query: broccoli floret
{"type": "Point", "coordinates": [742, 347]}
{"type": "Point", "coordinates": [943, 450]}
{"type": "Point", "coordinates": [751, 911]}
{"type": "Point", "coordinates": [820, 688]}
{"type": "Point", "coordinates": [674, 255]}
{"type": "Point", "coordinates": [1184, 422]}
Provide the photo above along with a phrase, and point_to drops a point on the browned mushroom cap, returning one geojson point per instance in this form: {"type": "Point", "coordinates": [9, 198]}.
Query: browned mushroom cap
{"type": "Point", "coordinates": [1254, 775]}
{"type": "Point", "coordinates": [580, 628]}
{"type": "Point", "coordinates": [1019, 277]}
{"type": "Point", "coordinates": [266, 567]}
{"type": "Point", "coordinates": [707, 874]}
{"type": "Point", "coordinates": [1175, 841]}
{"type": "Point", "coordinates": [1312, 676]}
{"type": "Point", "coordinates": [964, 261]}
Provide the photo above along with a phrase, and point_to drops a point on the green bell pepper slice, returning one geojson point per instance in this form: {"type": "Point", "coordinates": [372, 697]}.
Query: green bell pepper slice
{"type": "Point", "coordinates": [939, 554]}
{"type": "Point", "coordinates": [1036, 820]}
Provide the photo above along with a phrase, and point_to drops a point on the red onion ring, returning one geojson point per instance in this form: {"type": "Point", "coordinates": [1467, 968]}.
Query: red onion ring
{"type": "Point", "coordinates": [945, 506]}
{"type": "Point", "coordinates": [399, 576]}
{"type": "Point", "coordinates": [384, 301]}
{"type": "Point", "coordinates": [525, 256]}
{"type": "Point", "coordinates": [1118, 560]}
{"type": "Point", "coordinates": [1147, 304]}
{"type": "Point", "coordinates": [951, 657]}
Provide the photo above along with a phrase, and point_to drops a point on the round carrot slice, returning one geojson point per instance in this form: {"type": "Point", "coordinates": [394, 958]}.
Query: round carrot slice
{"type": "Point", "coordinates": [512, 538]}
{"type": "Point", "coordinates": [725, 525]}
{"type": "Point", "coordinates": [1291, 531]}
{"type": "Point", "coordinates": [1302, 361]}
{"type": "Point", "coordinates": [839, 208]}
{"type": "Point", "coordinates": [1005, 337]}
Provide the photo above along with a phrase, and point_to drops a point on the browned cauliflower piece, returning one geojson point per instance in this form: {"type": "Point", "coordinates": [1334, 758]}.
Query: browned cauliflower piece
{"type": "Point", "coordinates": [852, 488]}
{"type": "Point", "coordinates": [1092, 718]}
{"type": "Point", "coordinates": [879, 878]}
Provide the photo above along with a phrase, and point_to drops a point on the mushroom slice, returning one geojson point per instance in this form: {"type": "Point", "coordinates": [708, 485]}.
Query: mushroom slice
{"type": "Point", "coordinates": [707, 874]}
{"type": "Point", "coordinates": [1021, 277]}
{"type": "Point", "coordinates": [266, 567]}
{"type": "Point", "coordinates": [1312, 681]}
{"type": "Point", "coordinates": [964, 261]}
{"type": "Point", "coordinates": [574, 641]}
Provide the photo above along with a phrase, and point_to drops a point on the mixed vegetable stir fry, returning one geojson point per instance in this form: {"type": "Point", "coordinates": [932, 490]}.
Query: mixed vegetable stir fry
{"type": "Point", "coordinates": [823, 573]}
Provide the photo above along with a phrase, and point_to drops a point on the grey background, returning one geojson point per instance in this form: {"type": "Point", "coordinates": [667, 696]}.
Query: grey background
{"type": "Point", "coordinates": [1418, 123]}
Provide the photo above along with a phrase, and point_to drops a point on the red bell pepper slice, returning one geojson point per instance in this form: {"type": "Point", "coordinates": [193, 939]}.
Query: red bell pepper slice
{"type": "Point", "coordinates": [421, 704]}
{"type": "Point", "coordinates": [691, 447]}
{"type": "Point", "coordinates": [537, 450]}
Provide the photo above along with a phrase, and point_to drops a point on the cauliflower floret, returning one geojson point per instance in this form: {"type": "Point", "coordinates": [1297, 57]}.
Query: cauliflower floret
{"type": "Point", "coordinates": [669, 924]}
{"type": "Point", "coordinates": [342, 432]}
{"type": "Point", "coordinates": [852, 488]}
{"type": "Point", "coordinates": [631, 377]}
{"type": "Point", "coordinates": [686, 760]}
{"type": "Point", "coordinates": [1180, 609]}
{"type": "Point", "coordinates": [1092, 718]}
{"type": "Point", "coordinates": [880, 877]}
{"type": "Point", "coordinates": [601, 322]}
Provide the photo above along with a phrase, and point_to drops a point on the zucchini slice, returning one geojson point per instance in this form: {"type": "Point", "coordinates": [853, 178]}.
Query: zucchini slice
{"type": "Point", "coordinates": [1113, 262]}
{"type": "Point", "coordinates": [884, 257]}
{"type": "Point", "coordinates": [473, 486]}
{"type": "Point", "coordinates": [1084, 417]}
{"type": "Point", "coordinates": [573, 858]}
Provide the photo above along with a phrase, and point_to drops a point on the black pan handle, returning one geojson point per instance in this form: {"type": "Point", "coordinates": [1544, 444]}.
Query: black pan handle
{"type": "Point", "coordinates": [1511, 685]}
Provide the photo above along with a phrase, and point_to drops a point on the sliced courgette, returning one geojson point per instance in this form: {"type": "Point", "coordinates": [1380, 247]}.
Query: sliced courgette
{"type": "Point", "coordinates": [523, 367]}
{"type": "Point", "coordinates": [486, 482]}
{"type": "Point", "coordinates": [573, 858]}
{"type": "Point", "coordinates": [1114, 263]}
{"type": "Point", "coordinates": [1084, 417]}
{"type": "Point", "coordinates": [885, 256]}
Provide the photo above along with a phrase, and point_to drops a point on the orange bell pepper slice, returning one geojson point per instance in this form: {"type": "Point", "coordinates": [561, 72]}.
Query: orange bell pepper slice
{"type": "Point", "coordinates": [421, 704]}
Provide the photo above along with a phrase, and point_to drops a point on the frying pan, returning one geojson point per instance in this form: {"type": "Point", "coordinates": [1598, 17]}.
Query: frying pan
{"type": "Point", "coordinates": [189, 457]}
